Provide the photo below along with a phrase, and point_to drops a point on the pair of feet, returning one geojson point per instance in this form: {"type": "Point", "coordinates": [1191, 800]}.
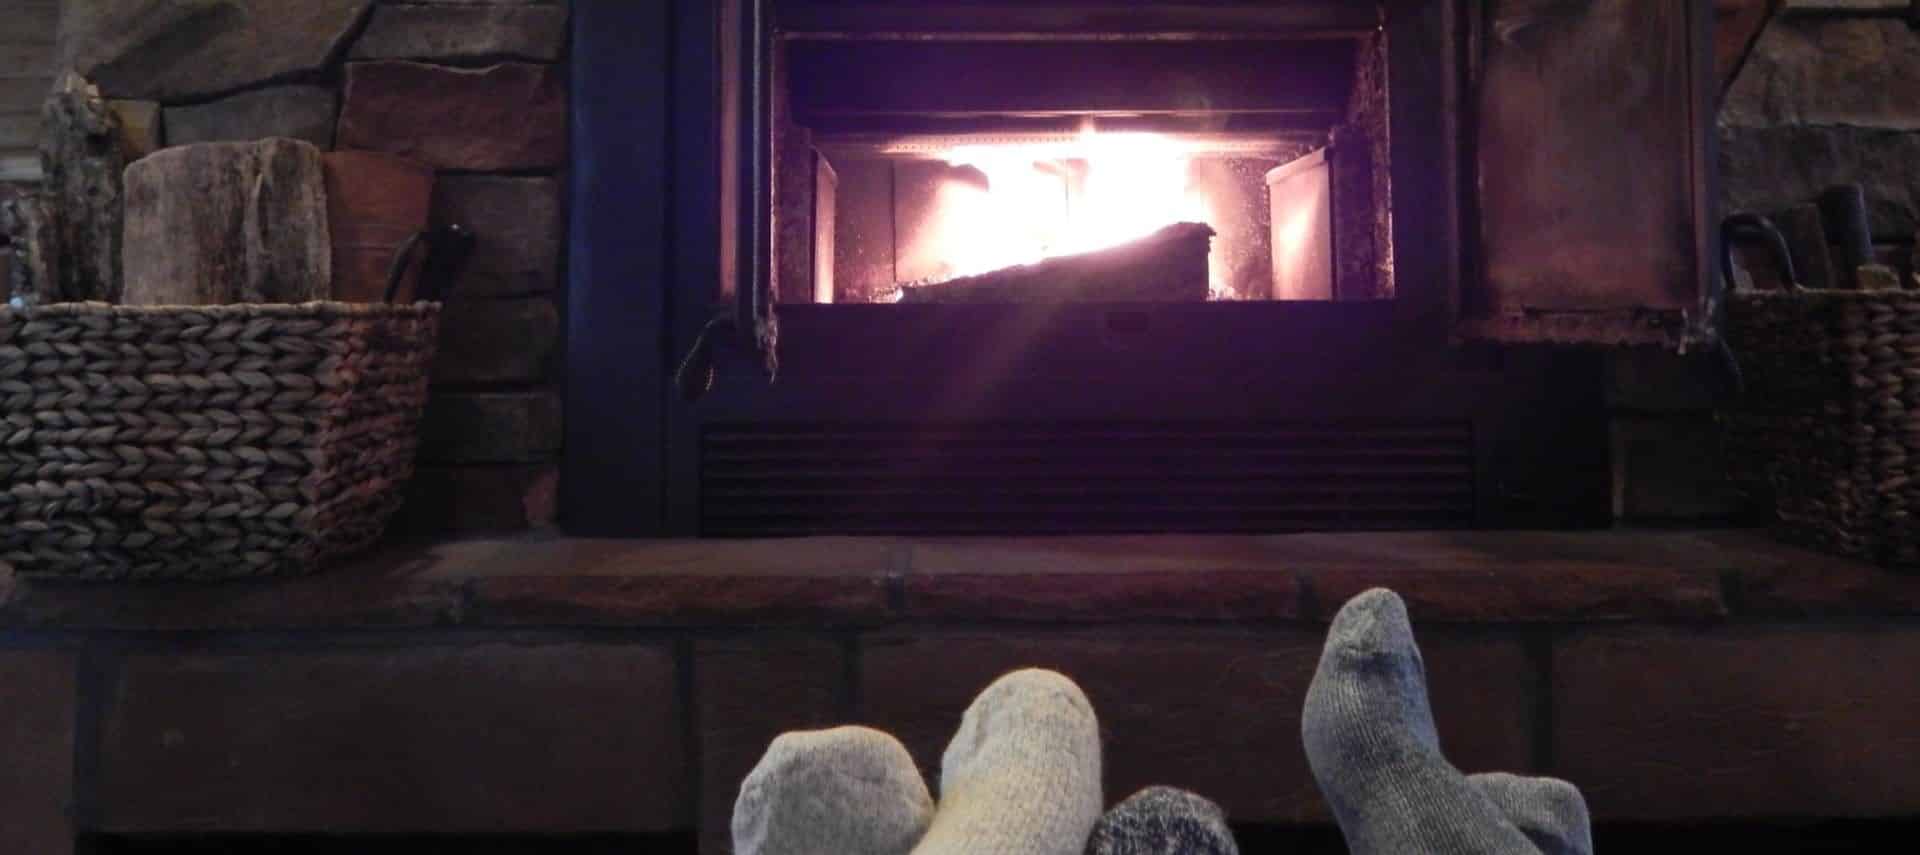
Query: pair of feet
{"type": "Point", "coordinates": [1021, 777]}
{"type": "Point", "coordinates": [1022, 774]}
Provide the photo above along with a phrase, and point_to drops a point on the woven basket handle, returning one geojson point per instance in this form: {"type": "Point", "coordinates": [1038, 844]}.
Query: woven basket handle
{"type": "Point", "coordinates": [447, 251]}
{"type": "Point", "coordinates": [1754, 225]}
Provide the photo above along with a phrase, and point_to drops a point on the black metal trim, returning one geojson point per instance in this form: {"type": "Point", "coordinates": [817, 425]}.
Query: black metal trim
{"type": "Point", "coordinates": [612, 474]}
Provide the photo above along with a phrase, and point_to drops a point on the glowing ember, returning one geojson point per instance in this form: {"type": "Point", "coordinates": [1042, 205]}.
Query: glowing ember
{"type": "Point", "coordinates": [1040, 200]}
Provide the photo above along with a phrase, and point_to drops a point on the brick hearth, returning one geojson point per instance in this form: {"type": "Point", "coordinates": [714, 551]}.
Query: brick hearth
{"type": "Point", "coordinates": [552, 685]}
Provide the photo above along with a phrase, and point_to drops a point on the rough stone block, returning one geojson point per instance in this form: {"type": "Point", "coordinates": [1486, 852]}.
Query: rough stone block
{"type": "Point", "coordinates": [511, 116]}
{"type": "Point", "coordinates": [1813, 585]}
{"type": "Point", "coordinates": [36, 738]}
{"type": "Point", "coordinates": [517, 225]}
{"type": "Point", "coordinates": [294, 112]}
{"type": "Point", "coordinates": [1829, 71]}
{"type": "Point", "coordinates": [808, 582]}
{"type": "Point", "coordinates": [736, 683]}
{"type": "Point", "coordinates": [1079, 598]}
{"type": "Point", "coordinates": [496, 341]}
{"type": "Point", "coordinates": [492, 738]}
{"type": "Point", "coordinates": [358, 595]}
{"type": "Point", "coordinates": [478, 499]}
{"type": "Point", "coordinates": [189, 49]}
{"type": "Point", "coordinates": [472, 32]}
{"type": "Point", "coordinates": [1529, 577]}
{"type": "Point", "coordinates": [1217, 713]}
{"type": "Point", "coordinates": [1782, 721]}
{"type": "Point", "coordinates": [515, 427]}
{"type": "Point", "coordinates": [1765, 169]}
{"type": "Point", "coordinates": [1098, 579]}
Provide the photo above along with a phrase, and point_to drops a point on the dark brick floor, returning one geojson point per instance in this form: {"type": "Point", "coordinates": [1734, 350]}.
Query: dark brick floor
{"type": "Point", "coordinates": [624, 844]}
{"type": "Point", "coordinates": [1747, 838]}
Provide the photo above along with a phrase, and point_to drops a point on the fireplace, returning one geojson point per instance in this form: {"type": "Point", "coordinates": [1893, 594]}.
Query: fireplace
{"type": "Point", "coordinates": [902, 163]}
{"type": "Point", "coordinates": [1342, 228]}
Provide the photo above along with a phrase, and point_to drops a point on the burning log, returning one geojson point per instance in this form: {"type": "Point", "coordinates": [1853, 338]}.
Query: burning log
{"type": "Point", "coordinates": [1168, 266]}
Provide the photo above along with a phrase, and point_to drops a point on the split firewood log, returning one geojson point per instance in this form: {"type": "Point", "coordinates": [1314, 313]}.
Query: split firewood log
{"type": "Point", "coordinates": [1167, 266]}
{"type": "Point", "coordinates": [81, 163]}
{"type": "Point", "coordinates": [227, 222]}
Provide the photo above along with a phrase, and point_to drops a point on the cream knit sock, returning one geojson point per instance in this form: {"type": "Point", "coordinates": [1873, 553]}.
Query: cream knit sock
{"type": "Point", "coordinates": [1371, 744]}
{"type": "Point", "coordinates": [844, 791]}
{"type": "Point", "coordinates": [1022, 775]}
{"type": "Point", "coordinates": [1549, 811]}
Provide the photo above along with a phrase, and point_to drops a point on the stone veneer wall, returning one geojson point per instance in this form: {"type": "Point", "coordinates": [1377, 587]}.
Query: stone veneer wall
{"type": "Point", "coordinates": [26, 73]}
{"type": "Point", "coordinates": [476, 88]}
{"type": "Point", "coordinates": [1830, 95]}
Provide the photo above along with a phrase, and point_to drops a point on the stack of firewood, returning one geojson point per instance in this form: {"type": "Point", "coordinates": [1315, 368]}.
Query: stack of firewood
{"type": "Point", "coordinates": [119, 219]}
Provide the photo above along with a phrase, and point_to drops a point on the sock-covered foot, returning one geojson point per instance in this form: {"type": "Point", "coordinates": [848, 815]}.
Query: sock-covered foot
{"type": "Point", "coordinates": [1549, 811]}
{"type": "Point", "coordinates": [1022, 775]}
{"type": "Point", "coordinates": [1163, 821]}
{"type": "Point", "coordinates": [1371, 744]}
{"type": "Point", "coordinates": [844, 791]}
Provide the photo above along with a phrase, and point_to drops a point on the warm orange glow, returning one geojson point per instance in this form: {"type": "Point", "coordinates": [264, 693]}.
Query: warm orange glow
{"type": "Point", "coordinates": [1040, 200]}
{"type": "Point", "coordinates": [1294, 233]}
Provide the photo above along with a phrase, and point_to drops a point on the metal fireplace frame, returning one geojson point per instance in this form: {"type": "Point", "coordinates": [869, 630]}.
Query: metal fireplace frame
{"type": "Point", "coordinates": [652, 233]}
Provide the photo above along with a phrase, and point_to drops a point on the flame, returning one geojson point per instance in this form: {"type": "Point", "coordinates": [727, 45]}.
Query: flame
{"type": "Point", "coordinates": [1040, 200]}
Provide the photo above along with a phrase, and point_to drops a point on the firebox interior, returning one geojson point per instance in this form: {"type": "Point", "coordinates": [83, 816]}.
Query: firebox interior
{"type": "Point", "coordinates": [909, 163]}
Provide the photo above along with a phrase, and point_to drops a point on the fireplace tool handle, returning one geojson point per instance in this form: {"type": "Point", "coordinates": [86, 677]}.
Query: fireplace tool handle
{"type": "Point", "coordinates": [1732, 229]}
{"type": "Point", "coordinates": [1755, 225]}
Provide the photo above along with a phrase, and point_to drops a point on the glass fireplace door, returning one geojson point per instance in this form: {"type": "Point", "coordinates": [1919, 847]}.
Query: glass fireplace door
{"type": "Point", "coordinates": [965, 231]}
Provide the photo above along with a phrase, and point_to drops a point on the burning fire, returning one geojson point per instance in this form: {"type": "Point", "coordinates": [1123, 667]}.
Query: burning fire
{"type": "Point", "coordinates": [1029, 201]}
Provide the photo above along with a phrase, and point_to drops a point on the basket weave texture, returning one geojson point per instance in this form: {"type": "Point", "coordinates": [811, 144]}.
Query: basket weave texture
{"type": "Point", "coordinates": [205, 442]}
{"type": "Point", "coordinates": [1829, 426]}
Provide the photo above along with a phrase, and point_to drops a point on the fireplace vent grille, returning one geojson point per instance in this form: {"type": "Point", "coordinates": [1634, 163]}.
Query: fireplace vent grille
{"type": "Point", "coordinates": [795, 479]}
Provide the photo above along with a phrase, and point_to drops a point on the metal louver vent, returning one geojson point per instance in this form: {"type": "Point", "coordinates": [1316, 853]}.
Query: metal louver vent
{"type": "Point", "coordinates": [796, 479]}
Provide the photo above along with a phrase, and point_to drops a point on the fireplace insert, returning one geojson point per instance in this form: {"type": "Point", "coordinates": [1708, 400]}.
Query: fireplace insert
{"type": "Point", "coordinates": [979, 266]}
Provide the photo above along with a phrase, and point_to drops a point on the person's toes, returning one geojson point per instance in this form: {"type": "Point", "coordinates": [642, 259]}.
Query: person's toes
{"type": "Point", "coordinates": [1371, 744]}
{"type": "Point", "coordinates": [1549, 811]}
{"type": "Point", "coordinates": [843, 791]}
{"type": "Point", "coordinates": [1022, 774]}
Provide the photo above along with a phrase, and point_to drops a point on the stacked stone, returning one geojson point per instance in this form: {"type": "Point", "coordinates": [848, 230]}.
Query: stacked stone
{"type": "Point", "coordinates": [473, 89]}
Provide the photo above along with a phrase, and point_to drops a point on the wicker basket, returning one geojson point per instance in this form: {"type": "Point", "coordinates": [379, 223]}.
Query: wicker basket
{"type": "Point", "coordinates": [205, 442]}
{"type": "Point", "coordinates": [1828, 426]}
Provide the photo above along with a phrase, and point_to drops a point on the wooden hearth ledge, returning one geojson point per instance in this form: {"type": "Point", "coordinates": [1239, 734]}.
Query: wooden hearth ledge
{"type": "Point", "coordinates": [552, 581]}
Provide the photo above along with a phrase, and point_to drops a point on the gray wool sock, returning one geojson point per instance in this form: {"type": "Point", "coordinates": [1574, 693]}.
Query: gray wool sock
{"type": "Point", "coordinates": [843, 791]}
{"type": "Point", "coordinates": [1549, 811]}
{"type": "Point", "coordinates": [1371, 744]}
{"type": "Point", "coordinates": [1163, 821]}
{"type": "Point", "coordinates": [1022, 774]}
